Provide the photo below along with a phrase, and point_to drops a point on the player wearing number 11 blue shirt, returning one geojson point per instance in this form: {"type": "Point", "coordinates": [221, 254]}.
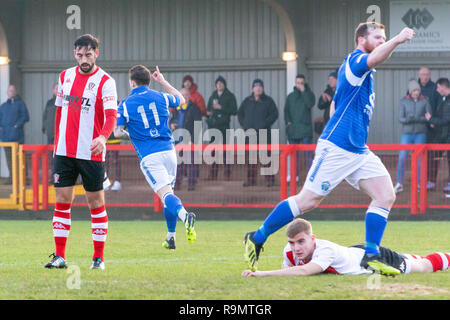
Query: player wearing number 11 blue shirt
{"type": "Point", "coordinates": [145, 113]}
{"type": "Point", "coordinates": [342, 153]}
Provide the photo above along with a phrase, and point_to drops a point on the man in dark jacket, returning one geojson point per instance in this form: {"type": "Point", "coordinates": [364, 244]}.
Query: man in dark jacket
{"type": "Point", "coordinates": [428, 89]}
{"type": "Point", "coordinates": [297, 116]}
{"type": "Point", "coordinates": [48, 125]}
{"type": "Point", "coordinates": [13, 116]}
{"type": "Point", "coordinates": [185, 117]}
{"type": "Point", "coordinates": [257, 111]}
{"type": "Point", "coordinates": [327, 96]}
{"type": "Point", "coordinates": [440, 122]}
{"type": "Point", "coordinates": [221, 106]}
{"type": "Point", "coordinates": [48, 118]}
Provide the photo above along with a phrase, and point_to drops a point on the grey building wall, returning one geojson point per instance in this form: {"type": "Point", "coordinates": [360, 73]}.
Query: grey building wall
{"type": "Point", "coordinates": [240, 40]}
{"type": "Point", "coordinates": [11, 12]}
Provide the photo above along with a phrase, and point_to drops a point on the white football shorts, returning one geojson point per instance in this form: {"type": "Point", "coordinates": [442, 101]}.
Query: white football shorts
{"type": "Point", "coordinates": [333, 164]}
{"type": "Point", "coordinates": [160, 169]}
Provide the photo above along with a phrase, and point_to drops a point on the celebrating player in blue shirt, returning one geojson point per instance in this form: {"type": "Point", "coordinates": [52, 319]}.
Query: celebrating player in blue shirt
{"type": "Point", "coordinates": [146, 115]}
{"type": "Point", "coordinates": [342, 153]}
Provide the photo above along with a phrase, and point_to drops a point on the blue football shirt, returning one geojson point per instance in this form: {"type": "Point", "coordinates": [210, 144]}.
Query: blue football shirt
{"type": "Point", "coordinates": [354, 101]}
{"type": "Point", "coordinates": [146, 114]}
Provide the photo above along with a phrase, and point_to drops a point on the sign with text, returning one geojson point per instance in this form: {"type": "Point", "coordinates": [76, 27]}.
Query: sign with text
{"type": "Point", "coordinates": [429, 19]}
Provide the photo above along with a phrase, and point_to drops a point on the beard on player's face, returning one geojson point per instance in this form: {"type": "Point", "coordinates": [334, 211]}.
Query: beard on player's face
{"type": "Point", "coordinates": [374, 39]}
{"type": "Point", "coordinates": [86, 67]}
{"type": "Point", "coordinates": [86, 57]}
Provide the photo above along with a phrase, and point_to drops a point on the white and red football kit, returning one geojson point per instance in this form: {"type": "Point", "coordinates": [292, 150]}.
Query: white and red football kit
{"type": "Point", "coordinates": [84, 102]}
{"type": "Point", "coordinates": [331, 257]}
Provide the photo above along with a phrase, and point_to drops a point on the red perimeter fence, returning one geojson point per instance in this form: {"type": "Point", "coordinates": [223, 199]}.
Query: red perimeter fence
{"type": "Point", "coordinates": [238, 183]}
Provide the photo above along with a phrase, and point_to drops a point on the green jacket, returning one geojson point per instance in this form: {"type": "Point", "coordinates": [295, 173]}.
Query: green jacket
{"type": "Point", "coordinates": [220, 118]}
{"type": "Point", "coordinates": [297, 113]}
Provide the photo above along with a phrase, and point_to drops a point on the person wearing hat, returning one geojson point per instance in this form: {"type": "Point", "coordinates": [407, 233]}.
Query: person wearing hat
{"type": "Point", "coordinates": [196, 97]}
{"type": "Point", "coordinates": [412, 110]}
{"type": "Point", "coordinates": [221, 106]}
{"type": "Point", "coordinates": [327, 96]}
{"type": "Point", "coordinates": [257, 111]}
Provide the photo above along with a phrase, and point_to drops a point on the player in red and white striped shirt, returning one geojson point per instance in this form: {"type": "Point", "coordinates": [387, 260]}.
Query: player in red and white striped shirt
{"type": "Point", "coordinates": [85, 117]}
{"type": "Point", "coordinates": [305, 255]}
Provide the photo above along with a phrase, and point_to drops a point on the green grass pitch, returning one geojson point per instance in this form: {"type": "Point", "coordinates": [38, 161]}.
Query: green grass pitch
{"type": "Point", "coordinates": [137, 267]}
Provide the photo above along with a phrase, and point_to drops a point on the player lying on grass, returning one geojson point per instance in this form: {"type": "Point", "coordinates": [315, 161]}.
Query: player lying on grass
{"type": "Point", "coordinates": [146, 113]}
{"type": "Point", "coordinates": [341, 152]}
{"type": "Point", "coordinates": [305, 255]}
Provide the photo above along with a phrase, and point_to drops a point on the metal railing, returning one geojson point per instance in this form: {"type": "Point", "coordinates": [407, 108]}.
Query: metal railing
{"type": "Point", "coordinates": [228, 191]}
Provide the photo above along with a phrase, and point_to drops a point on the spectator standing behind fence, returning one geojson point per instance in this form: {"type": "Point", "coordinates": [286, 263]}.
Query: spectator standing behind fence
{"type": "Point", "coordinates": [440, 122]}
{"type": "Point", "coordinates": [326, 97]}
{"type": "Point", "coordinates": [414, 125]}
{"type": "Point", "coordinates": [48, 118]}
{"type": "Point", "coordinates": [13, 116]}
{"type": "Point", "coordinates": [257, 111]}
{"type": "Point", "coordinates": [428, 89]}
{"type": "Point", "coordinates": [297, 116]}
{"type": "Point", "coordinates": [196, 97]}
{"type": "Point", "coordinates": [184, 117]}
{"type": "Point", "coordinates": [48, 126]}
{"type": "Point", "coordinates": [221, 106]}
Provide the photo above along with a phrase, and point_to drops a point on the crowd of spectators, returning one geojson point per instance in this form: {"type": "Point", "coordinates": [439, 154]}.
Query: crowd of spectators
{"type": "Point", "coordinates": [423, 115]}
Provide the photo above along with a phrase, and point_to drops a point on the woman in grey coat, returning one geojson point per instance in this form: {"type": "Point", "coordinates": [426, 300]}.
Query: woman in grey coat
{"type": "Point", "coordinates": [414, 130]}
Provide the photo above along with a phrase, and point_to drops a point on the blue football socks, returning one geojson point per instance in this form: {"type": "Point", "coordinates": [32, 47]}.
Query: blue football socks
{"type": "Point", "coordinates": [171, 220]}
{"type": "Point", "coordinates": [172, 202]}
{"type": "Point", "coordinates": [283, 213]}
{"type": "Point", "coordinates": [376, 221]}
{"type": "Point", "coordinates": [172, 208]}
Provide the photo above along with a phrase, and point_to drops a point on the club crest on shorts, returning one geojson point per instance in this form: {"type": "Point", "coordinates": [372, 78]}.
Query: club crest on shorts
{"type": "Point", "coordinates": [325, 186]}
{"type": "Point", "coordinates": [56, 178]}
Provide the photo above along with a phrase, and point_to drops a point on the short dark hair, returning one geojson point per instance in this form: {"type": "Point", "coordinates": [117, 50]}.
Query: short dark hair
{"type": "Point", "coordinates": [87, 40]}
{"type": "Point", "coordinates": [140, 74]}
{"type": "Point", "coordinates": [300, 76]}
{"type": "Point", "coordinates": [362, 30]}
{"type": "Point", "coordinates": [443, 82]}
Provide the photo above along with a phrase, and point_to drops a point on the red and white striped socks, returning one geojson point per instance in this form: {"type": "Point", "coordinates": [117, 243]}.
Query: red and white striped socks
{"type": "Point", "coordinates": [439, 260]}
{"type": "Point", "coordinates": [61, 227]}
{"type": "Point", "coordinates": [99, 220]}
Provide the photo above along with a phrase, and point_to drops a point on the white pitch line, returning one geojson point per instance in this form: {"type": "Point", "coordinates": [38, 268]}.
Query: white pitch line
{"type": "Point", "coordinates": [76, 262]}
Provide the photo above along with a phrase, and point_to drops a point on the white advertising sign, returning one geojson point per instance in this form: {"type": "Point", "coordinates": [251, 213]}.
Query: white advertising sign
{"type": "Point", "coordinates": [429, 19]}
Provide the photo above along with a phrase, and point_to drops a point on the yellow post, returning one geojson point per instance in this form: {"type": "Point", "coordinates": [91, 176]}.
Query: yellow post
{"type": "Point", "coordinates": [12, 202]}
{"type": "Point", "coordinates": [22, 179]}
{"type": "Point", "coordinates": [15, 179]}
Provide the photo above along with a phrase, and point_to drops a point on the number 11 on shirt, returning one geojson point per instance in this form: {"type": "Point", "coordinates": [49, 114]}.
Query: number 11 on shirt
{"type": "Point", "coordinates": [152, 107]}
